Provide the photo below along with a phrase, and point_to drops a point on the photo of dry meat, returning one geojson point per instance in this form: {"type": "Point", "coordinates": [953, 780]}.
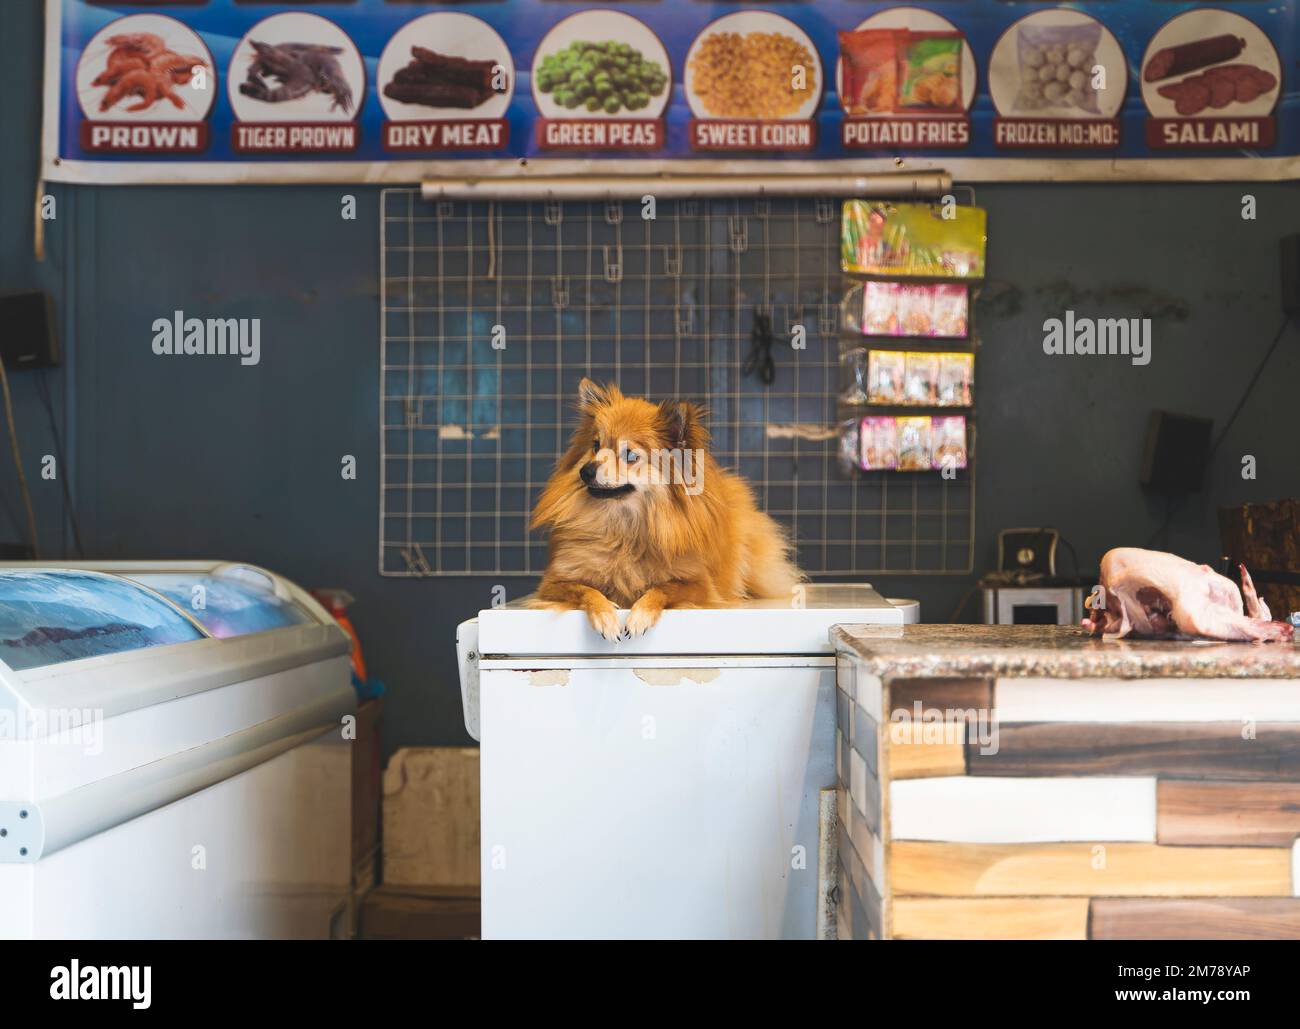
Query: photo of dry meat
{"type": "Point", "coordinates": [443, 66]}
{"type": "Point", "coordinates": [744, 66]}
{"type": "Point", "coordinates": [1210, 64]}
{"type": "Point", "coordinates": [147, 67]}
{"type": "Point", "coordinates": [296, 67]}
{"type": "Point", "coordinates": [439, 80]}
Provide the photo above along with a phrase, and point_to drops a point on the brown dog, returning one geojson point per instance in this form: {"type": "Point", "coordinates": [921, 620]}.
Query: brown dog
{"type": "Point", "coordinates": [642, 517]}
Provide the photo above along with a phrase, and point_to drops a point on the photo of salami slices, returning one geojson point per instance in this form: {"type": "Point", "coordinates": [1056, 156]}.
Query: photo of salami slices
{"type": "Point", "coordinates": [1210, 63]}
{"type": "Point", "coordinates": [1218, 87]}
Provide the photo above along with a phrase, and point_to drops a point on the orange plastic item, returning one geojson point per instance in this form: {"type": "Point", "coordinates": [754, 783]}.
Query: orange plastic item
{"type": "Point", "coordinates": [336, 602]}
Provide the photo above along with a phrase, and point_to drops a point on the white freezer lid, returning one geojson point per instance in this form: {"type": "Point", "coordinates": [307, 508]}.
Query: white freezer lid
{"type": "Point", "coordinates": [754, 627]}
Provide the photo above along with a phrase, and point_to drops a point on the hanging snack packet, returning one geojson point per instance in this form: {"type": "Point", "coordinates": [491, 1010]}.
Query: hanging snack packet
{"type": "Point", "coordinates": [850, 448]}
{"type": "Point", "coordinates": [885, 376]}
{"type": "Point", "coordinates": [949, 310]}
{"type": "Point", "coordinates": [956, 373]}
{"type": "Point", "coordinates": [869, 70]}
{"type": "Point", "coordinates": [880, 308]}
{"type": "Point", "coordinates": [915, 310]}
{"type": "Point", "coordinates": [914, 444]}
{"type": "Point", "coordinates": [929, 72]}
{"type": "Point", "coordinates": [879, 237]}
{"type": "Point", "coordinates": [921, 381]}
{"type": "Point", "coordinates": [879, 443]}
{"type": "Point", "coordinates": [949, 440]}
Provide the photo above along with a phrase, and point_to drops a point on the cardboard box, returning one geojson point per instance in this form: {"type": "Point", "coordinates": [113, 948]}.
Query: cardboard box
{"type": "Point", "coordinates": [431, 817]}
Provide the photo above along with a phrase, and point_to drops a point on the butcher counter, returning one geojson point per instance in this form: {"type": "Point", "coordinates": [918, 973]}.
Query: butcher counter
{"type": "Point", "coordinates": [1031, 782]}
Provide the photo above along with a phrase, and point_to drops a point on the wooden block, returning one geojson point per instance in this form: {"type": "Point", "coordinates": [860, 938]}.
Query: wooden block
{"type": "Point", "coordinates": [844, 910]}
{"type": "Point", "coordinates": [965, 809]}
{"type": "Point", "coordinates": [431, 817]}
{"type": "Point", "coordinates": [869, 847]}
{"type": "Point", "coordinates": [912, 760]}
{"type": "Point", "coordinates": [865, 789]}
{"type": "Point", "coordinates": [420, 913]}
{"type": "Point", "coordinates": [1147, 700]}
{"type": "Point", "coordinates": [1217, 918]}
{"type": "Point", "coordinates": [866, 738]}
{"type": "Point", "coordinates": [1087, 870]}
{"type": "Point", "coordinates": [998, 918]}
{"type": "Point", "coordinates": [1188, 750]}
{"type": "Point", "coordinates": [367, 780]}
{"type": "Point", "coordinates": [1255, 814]}
{"type": "Point", "coordinates": [941, 695]}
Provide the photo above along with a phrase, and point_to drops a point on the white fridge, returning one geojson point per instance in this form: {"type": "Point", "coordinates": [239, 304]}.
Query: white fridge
{"type": "Point", "coordinates": [174, 760]}
{"type": "Point", "coordinates": [662, 787]}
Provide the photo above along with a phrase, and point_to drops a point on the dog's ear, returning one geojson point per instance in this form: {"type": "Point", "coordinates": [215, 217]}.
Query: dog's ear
{"type": "Point", "coordinates": [682, 424]}
{"type": "Point", "coordinates": [591, 395]}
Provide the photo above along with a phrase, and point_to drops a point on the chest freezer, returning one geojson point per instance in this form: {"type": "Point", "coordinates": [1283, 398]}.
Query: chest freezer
{"type": "Point", "coordinates": [171, 760]}
{"type": "Point", "coordinates": [661, 787]}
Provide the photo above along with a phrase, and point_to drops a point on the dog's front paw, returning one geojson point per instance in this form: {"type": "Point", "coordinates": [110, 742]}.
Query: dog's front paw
{"type": "Point", "coordinates": [644, 614]}
{"type": "Point", "coordinates": [603, 617]}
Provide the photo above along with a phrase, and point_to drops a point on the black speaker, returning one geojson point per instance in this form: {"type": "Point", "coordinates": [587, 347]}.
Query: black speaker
{"type": "Point", "coordinates": [1291, 274]}
{"type": "Point", "coordinates": [27, 337]}
{"type": "Point", "coordinates": [1177, 451]}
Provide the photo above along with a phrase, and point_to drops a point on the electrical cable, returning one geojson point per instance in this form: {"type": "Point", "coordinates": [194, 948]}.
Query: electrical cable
{"type": "Point", "coordinates": [18, 462]}
{"type": "Point", "coordinates": [760, 350]}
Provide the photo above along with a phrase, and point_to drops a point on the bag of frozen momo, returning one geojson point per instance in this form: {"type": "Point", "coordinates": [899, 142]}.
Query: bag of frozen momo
{"type": "Point", "coordinates": [1056, 67]}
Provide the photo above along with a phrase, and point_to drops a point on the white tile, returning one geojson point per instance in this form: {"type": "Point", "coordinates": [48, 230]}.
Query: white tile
{"type": "Point", "coordinates": [858, 781]}
{"type": "Point", "coordinates": [1295, 868]}
{"type": "Point", "coordinates": [978, 809]}
{"type": "Point", "coordinates": [871, 695]}
{"type": "Point", "coordinates": [1147, 700]}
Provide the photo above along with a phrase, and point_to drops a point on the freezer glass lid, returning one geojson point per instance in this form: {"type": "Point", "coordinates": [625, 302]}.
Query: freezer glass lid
{"type": "Point", "coordinates": [224, 606]}
{"type": "Point", "coordinates": [49, 617]}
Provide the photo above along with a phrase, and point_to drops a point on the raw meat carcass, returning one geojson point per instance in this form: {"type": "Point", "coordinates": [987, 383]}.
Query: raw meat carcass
{"type": "Point", "coordinates": [1150, 593]}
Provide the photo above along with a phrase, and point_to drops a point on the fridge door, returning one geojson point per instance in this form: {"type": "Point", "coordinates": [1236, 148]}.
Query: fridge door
{"type": "Point", "coordinates": [643, 800]}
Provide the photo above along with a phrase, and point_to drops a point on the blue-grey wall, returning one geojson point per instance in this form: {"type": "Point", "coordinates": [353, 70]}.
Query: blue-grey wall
{"type": "Point", "coordinates": [203, 458]}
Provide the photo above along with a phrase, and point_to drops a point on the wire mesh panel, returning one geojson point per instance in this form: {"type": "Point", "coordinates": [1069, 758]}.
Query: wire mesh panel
{"type": "Point", "coordinates": [492, 313]}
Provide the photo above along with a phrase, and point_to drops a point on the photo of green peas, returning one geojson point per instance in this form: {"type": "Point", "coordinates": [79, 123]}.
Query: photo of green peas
{"type": "Point", "coordinates": [606, 76]}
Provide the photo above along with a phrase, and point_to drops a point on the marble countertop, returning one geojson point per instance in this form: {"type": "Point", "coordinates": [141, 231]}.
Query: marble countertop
{"type": "Point", "coordinates": [1054, 651]}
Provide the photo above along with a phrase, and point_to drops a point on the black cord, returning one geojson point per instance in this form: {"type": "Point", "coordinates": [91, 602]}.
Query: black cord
{"type": "Point", "coordinates": [1173, 506]}
{"type": "Point", "coordinates": [43, 391]}
{"type": "Point", "coordinates": [760, 349]}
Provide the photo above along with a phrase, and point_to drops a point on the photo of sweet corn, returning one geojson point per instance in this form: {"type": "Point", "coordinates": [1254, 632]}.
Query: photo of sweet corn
{"type": "Point", "coordinates": [760, 75]}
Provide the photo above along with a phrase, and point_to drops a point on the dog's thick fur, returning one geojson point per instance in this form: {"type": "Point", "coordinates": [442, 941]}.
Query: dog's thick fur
{"type": "Point", "coordinates": [626, 536]}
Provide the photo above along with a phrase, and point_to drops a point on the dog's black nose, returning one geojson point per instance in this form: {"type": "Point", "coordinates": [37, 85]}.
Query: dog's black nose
{"type": "Point", "coordinates": [587, 473]}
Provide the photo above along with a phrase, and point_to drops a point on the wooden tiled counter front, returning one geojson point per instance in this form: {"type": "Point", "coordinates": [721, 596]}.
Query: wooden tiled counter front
{"type": "Point", "coordinates": [1028, 782]}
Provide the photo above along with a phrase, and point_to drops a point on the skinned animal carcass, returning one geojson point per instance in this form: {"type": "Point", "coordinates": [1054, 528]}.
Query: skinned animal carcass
{"type": "Point", "coordinates": [1150, 593]}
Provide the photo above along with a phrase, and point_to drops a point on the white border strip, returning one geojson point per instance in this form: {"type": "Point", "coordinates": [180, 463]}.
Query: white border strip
{"type": "Point", "coordinates": [1147, 700]}
{"type": "Point", "coordinates": [966, 809]}
{"type": "Point", "coordinates": [970, 169]}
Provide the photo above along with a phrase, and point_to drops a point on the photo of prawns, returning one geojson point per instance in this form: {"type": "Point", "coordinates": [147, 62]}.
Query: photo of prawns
{"type": "Point", "coordinates": [140, 62]}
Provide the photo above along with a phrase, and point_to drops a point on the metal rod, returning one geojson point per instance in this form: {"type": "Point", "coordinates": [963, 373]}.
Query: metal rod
{"type": "Point", "coordinates": [679, 186]}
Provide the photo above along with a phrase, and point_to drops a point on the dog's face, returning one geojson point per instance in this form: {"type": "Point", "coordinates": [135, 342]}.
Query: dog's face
{"type": "Point", "coordinates": [626, 453]}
